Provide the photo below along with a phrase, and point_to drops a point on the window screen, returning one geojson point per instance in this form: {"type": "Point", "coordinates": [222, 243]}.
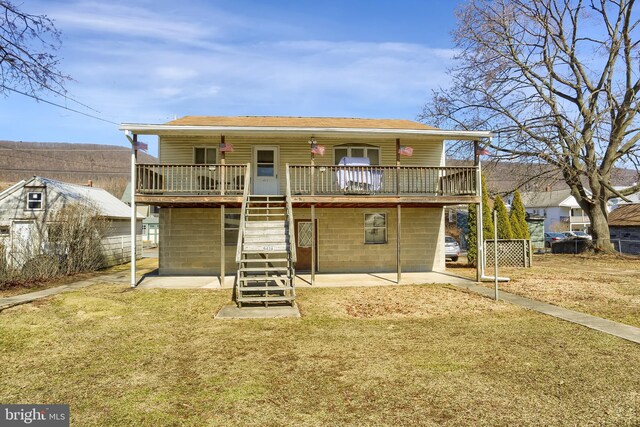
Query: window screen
{"type": "Point", "coordinates": [375, 228]}
{"type": "Point", "coordinates": [204, 155]}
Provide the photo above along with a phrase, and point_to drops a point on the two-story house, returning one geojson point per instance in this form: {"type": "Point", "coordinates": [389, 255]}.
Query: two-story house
{"type": "Point", "coordinates": [261, 197]}
{"type": "Point", "coordinates": [559, 208]}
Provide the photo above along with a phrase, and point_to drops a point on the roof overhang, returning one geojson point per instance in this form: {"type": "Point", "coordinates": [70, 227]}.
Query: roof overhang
{"type": "Point", "coordinates": [159, 129]}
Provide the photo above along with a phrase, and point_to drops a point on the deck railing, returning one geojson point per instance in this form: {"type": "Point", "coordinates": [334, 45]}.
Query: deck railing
{"type": "Point", "coordinates": [382, 180]}
{"type": "Point", "coordinates": [214, 179]}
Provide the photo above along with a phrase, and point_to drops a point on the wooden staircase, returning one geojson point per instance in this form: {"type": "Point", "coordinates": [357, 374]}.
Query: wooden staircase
{"type": "Point", "coordinates": [266, 252]}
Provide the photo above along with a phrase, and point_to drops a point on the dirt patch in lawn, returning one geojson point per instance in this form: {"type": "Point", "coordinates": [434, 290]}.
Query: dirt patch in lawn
{"type": "Point", "coordinates": [419, 301]}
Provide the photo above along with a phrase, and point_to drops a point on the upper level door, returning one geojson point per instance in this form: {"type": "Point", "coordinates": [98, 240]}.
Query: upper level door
{"type": "Point", "coordinates": [265, 170]}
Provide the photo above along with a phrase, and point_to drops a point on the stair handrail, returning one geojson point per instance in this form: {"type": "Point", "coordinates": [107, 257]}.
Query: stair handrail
{"type": "Point", "coordinates": [245, 198]}
{"type": "Point", "coordinates": [292, 242]}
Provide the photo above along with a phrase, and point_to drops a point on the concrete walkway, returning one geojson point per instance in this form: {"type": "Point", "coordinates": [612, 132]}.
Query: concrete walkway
{"type": "Point", "coordinates": [122, 277]}
{"type": "Point", "coordinates": [610, 327]}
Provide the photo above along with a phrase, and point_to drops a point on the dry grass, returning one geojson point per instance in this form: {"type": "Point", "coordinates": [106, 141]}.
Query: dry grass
{"type": "Point", "coordinates": [143, 265]}
{"type": "Point", "coordinates": [411, 355]}
{"type": "Point", "coordinates": [604, 285]}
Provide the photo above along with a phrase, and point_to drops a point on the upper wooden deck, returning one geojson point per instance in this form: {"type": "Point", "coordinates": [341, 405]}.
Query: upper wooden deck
{"type": "Point", "coordinates": [217, 184]}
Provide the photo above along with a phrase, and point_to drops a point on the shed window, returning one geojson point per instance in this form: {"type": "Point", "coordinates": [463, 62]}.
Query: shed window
{"type": "Point", "coordinates": [375, 228]}
{"type": "Point", "coordinates": [34, 200]}
{"type": "Point", "coordinates": [231, 227]}
{"type": "Point", "coordinates": [204, 155]}
{"type": "Point", "coordinates": [372, 153]}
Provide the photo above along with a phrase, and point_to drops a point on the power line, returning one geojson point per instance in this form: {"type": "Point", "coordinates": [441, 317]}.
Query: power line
{"type": "Point", "coordinates": [59, 105]}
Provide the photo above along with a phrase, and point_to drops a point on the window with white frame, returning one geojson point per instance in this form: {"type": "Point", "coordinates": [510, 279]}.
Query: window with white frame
{"type": "Point", "coordinates": [34, 200]}
{"type": "Point", "coordinates": [231, 227]}
{"type": "Point", "coordinates": [369, 151]}
{"type": "Point", "coordinates": [375, 228]}
{"type": "Point", "coordinates": [204, 155]}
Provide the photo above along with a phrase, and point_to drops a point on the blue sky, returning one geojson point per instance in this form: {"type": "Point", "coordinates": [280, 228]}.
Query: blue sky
{"type": "Point", "coordinates": [149, 61]}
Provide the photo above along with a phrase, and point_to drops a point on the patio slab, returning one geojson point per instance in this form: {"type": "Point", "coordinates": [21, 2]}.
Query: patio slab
{"type": "Point", "coordinates": [304, 280]}
{"type": "Point", "coordinates": [278, 312]}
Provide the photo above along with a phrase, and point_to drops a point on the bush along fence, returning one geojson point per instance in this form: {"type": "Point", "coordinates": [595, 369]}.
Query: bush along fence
{"type": "Point", "coordinates": [511, 253]}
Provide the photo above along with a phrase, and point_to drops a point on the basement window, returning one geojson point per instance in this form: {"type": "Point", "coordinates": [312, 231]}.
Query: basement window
{"type": "Point", "coordinates": [375, 228]}
{"type": "Point", "coordinates": [4, 230]}
{"type": "Point", "coordinates": [34, 200]}
{"type": "Point", "coordinates": [231, 227]}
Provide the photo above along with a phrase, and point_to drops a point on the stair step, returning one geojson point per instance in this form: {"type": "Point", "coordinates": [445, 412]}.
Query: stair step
{"type": "Point", "coordinates": [262, 269]}
{"type": "Point", "coordinates": [264, 208]}
{"type": "Point", "coordinates": [265, 224]}
{"type": "Point", "coordinates": [264, 288]}
{"type": "Point", "coordinates": [266, 299]}
{"type": "Point", "coordinates": [264, 260]}
{"type": "Point", "coordinates": [264, 248]}
{"type": "Point", "coordinates": [266, 238]}
{"type": "Point", "coordinates": [266, 214]}
{"type": "Point", "coordinates": [264, 278]}
{"type": "Point", "coordinates": [264, 232]}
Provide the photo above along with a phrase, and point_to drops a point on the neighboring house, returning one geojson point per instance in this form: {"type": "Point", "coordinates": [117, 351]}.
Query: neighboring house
{"type": "Point", "coordinates": [624, 228]}
{"type": "Point", "coordinates": [27, 210]}
{"type": "Point", "coordinates": [559, 208]}
{"type": "Point", "coordinates": [617, 201]}
{"type": "Point", "coordinates": [262, 196]}
{"type": "Point", "coordinates": [150, 223]}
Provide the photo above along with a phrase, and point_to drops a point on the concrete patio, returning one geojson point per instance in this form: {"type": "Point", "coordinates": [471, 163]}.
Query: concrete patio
{"type": "Point", "coordinates": [304, 280]}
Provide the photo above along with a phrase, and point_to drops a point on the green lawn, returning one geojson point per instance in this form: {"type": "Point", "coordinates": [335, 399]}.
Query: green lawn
{"type": "Point", "coordinates": [411, 355]}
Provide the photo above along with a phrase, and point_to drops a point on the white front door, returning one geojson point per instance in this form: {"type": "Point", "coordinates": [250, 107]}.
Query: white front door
{"type": "Point", "coordinates": [265, 170]}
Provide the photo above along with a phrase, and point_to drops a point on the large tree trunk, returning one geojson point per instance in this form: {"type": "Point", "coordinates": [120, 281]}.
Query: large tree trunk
{"type": "Point", "coordinates": [600, 228]}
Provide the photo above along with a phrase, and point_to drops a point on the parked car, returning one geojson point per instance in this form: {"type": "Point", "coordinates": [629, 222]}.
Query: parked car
{"type": "Point", "coordinates": [451, 248]}
{"type": "Point", "coordinates": [551, 238]}
{"type": "Point", "coordinates": [582, 235]}
{"type": "Point", "coordinates": [576, 235]}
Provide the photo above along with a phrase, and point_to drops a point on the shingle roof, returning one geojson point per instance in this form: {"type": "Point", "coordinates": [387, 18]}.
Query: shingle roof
{"type": "Point", "coordinates": [625, 216]}
{"type": "Point", "coordinates": [106, 204]}
{"type": "Point", "coordinates": [298, 122]}
{"type": "Point", "coordinates": [542, 199]}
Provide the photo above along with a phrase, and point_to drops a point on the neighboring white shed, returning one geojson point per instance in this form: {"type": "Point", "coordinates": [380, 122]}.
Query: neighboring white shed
{"type": "Point", "coordinates": [28, 207]}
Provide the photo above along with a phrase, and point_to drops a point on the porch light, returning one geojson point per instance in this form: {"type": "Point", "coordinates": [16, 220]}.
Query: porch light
{"type": "Point", "coordinates": [312, 141]}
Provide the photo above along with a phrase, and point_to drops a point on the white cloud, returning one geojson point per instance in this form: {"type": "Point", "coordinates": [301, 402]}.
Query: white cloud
{"type": "Point", "coordinates": [128, 21]}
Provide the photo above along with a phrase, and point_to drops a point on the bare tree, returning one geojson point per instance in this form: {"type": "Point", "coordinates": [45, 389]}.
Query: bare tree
{"type": "Point", "coordinates": [558, 81]}
{"type": "Point", "coordinates": [28, 45]}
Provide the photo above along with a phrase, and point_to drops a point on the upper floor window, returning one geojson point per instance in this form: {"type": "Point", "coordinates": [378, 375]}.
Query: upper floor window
{"type": "Point", "coordinates": [204, 155]}
{"type": "Point", "coordinates": [34, 200]}
{"type": "Point", "coordinates": [369, 151]}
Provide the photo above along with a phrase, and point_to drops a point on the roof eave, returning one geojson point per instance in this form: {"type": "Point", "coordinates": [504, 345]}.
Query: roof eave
{"type": "Point", "coordinates": [152, 129]}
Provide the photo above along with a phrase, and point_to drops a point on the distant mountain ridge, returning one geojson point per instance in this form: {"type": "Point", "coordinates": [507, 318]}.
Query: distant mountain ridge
{"type": "Point", "coordinates": [505, 177]}
{"type": "Point", "coordinates": [107, 166]}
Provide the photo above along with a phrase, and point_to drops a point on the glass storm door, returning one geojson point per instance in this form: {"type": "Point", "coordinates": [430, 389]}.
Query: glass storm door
{"type": "Point", "coordinates": [265, 170]}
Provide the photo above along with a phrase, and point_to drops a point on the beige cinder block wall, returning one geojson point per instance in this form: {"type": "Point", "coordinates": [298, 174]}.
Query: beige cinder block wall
{"type": "Point", "coordinates": [341, 247]}
{"type": "Point", "coordinates": [190, 241]}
